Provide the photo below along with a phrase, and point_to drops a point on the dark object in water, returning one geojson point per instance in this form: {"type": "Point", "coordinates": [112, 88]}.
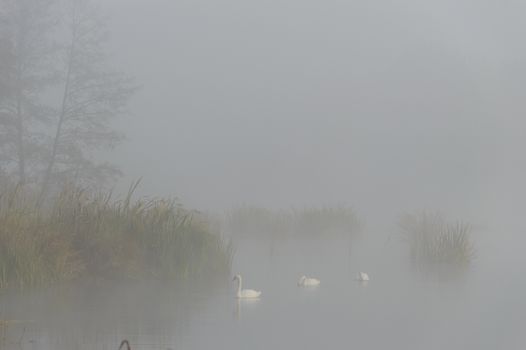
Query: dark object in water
{"type": "Point", "coordinates": [127, 345]}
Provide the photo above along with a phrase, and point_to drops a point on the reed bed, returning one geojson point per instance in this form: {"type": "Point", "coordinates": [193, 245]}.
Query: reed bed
{"type": "Point", "coordinates": [435, 241]}
{"type": "Point", "coordinates": [80, 235]}
{"type": "Point", "coordinates": [316, 221]}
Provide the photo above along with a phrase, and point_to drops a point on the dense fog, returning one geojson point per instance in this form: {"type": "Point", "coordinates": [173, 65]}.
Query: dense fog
{"type": "Point", "coordinates": [151, 151]}
{"type": "Point", "coordinates": [383, 106]}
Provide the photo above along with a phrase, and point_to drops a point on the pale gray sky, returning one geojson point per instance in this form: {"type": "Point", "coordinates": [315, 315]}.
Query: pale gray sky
{"type": "Point", "coordinates": [386, 106]}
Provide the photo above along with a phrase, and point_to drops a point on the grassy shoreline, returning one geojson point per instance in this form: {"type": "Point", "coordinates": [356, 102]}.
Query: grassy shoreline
{"type": "Point", "coordinates": [78, 235]}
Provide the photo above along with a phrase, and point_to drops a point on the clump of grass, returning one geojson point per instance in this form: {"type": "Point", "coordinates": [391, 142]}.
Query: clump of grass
{"type": "Point", "coordinates": [30, 254]}
{"type": "Point", "coordinates": [248, 220]}
{"type": "Point", "coordinates": [435, 241]}
{"type": "Point", "coordinates": [79, 234]}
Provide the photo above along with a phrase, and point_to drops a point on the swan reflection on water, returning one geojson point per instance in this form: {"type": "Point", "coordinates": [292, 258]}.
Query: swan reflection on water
{"type": "Point", "coordinates": [240, 303]}
{"type": "Point", "coordinates": [362, 277]}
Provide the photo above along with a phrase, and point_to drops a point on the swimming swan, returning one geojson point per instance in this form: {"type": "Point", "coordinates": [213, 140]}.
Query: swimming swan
{"type": "Point", "coordinates": [245, 293]}
{"type": "Point", "coordinates": [308, 281]}
{"type": "Point", "coordinates": [362, 277]}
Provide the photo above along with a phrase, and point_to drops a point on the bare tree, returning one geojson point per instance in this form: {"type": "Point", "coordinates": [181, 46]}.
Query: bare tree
{"type": "Point", "coordinates": [27, 52]}
{"type": "Point", "coordinates": [6, 84]}
{"type": "Point", "coordinates": [91, 96]}
{"type": "Point", "coordinates": [6, 55]}
{"type": "Point", "coordinates": [56, 144]}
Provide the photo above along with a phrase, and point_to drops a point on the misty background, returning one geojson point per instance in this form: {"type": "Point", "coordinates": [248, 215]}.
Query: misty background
{"type": "Point", "coordinates": [301, 132]}
{"type": "Point", "coordinates": [383, 106]}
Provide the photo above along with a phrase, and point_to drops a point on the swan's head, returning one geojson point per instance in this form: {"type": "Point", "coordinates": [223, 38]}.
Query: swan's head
{"type": "Point", "coordinates": [302, 279]}
{"type": "Point", "coordinates": [236, 278]}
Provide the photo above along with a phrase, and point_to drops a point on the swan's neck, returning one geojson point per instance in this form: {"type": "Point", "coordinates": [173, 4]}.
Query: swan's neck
{"type": "Point", "coordinates": [239, 286]}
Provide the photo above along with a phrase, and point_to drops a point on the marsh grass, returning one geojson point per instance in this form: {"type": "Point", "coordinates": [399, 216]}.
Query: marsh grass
{"type": "Point", "coordinates": [316, 221]}
{"type": "Point", "coordinates": [434, 241]}
{"type": "Point", "coordinates": [79, 234]}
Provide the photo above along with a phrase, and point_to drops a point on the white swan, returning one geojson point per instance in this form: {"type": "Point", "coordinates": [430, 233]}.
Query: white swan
{"type": "Point", "coordinates": [245, 293]}
{"type": "Point", "coordinates": [308, 281]}
{"type": "Point", "coordinates": [362, 277]}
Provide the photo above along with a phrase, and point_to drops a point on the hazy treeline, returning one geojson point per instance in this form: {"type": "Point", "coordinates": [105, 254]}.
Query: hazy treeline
{"type": "Point", "coordinates": [247, 220]}
{"type": "Point", "coordinates": [431, 238]}
{"type": "Point", "coordinates": [58, 93]}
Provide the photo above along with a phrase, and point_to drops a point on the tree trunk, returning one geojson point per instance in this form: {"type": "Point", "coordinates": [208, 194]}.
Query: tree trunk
{"type": "Point", "coordinates": [20, 149]}
{"type": "Point", "coordinates": [62, 116]}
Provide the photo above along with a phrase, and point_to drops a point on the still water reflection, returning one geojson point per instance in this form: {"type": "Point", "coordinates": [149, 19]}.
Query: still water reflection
{"type": "Point", "coordinates": [398, 309]}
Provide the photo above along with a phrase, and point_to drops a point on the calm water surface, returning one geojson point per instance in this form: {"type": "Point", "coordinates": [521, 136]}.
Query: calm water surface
{"type": "Point", "coordinates": [400, 308]}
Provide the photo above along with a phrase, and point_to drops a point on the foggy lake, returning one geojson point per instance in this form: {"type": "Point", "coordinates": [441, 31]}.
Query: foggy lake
{"type": "Point", "coordinates": [150, 151]}
{"type": "Point", "coordinates": [398, 308]}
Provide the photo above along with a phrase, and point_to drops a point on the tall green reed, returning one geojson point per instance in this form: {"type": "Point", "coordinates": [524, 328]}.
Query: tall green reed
{"type": "Point", "coordinates": [434, 240]}
{"type": "Point", "coordinates": [79, 234]}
